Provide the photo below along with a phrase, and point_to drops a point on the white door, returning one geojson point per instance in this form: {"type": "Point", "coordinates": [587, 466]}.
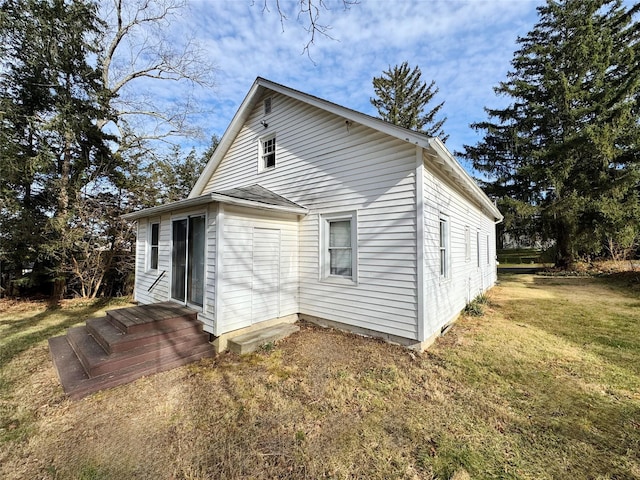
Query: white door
{"type": "Point", "coordinates": [265, 297]}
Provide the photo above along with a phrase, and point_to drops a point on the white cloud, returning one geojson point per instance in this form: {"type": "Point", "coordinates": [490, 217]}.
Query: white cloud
{"type": "Point", "coordinates": [465, 46]}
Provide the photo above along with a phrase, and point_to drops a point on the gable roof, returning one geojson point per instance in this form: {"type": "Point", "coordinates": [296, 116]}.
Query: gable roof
{"type": "Point", "coordinates": [432, 145]}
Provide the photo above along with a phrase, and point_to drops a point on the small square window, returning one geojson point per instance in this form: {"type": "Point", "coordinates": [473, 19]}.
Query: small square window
{"type": "Point", "coordinates": [154, 240]}
{"type": "Point", "coordinates": [268, 153]}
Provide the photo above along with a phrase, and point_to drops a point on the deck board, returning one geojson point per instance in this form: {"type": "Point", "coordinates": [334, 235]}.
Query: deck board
{"type": "Point", "coordinates": [126, 344]}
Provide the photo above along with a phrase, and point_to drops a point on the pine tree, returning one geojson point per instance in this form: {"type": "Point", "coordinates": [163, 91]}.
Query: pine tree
{"type": "Point", "coordinates": [567, 145]}
{"type": "Point", "coordinates": [402, 98]}
{"type": "Point", "coordinates": [171, 177]}
{"type": "Point", "coordinates": [52, 149]}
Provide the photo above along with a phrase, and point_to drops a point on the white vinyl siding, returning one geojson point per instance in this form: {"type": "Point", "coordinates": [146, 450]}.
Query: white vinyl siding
{"type": "Point", "coordinates": [445, 300]}
{"type": "Point", "coordinates": [330, 167]}
{"type": "Point", "coordinates": [259, 272]}
{"type": "Point", "coordinates": [145, 290]}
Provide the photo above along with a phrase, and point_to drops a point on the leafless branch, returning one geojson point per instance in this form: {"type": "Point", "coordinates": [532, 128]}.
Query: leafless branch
{"type": "Point", "coordinates": [309, 12]}
{"type": "Point", "coordinates": [136, 47]}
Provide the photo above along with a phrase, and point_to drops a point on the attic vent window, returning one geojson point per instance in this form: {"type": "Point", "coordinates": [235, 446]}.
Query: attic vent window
{"type": "Point", "coordinates": [267, 106]}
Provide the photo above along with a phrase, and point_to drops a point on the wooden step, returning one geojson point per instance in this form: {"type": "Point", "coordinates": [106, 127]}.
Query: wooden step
{"type": "Point", "coordinates": [146, 317]}
{"type": "Point", "coordinates": [127, 344]}
{"type": "Point", "coordinates": [114, 340]}
{"type": "Point", "coordinates": [96, 361]}
{"type": "Point", "coordinates": [249, 342]}
{"type": "Point", "coordinates": [77, 384]}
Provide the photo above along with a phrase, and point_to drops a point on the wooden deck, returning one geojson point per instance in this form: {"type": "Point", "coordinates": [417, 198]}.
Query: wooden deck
{"type": "Point", "coordinates": [127, 344]}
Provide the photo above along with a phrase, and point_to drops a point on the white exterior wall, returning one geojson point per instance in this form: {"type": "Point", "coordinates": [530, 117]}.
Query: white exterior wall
{"type": "Point", "coordinates": [445, 298]}
{"type": "Point", "coordinates": [145, 276]}
{"type": "Point", "coordinates": [327, 165]}
{"type": "Point", "coordinates": [161, 291]}
{"type": "Point", "coordinates": [247, 293]}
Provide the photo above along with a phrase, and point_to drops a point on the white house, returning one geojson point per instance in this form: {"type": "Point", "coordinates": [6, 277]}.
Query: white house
{"type": "Point", "coordinates": [310, 210]}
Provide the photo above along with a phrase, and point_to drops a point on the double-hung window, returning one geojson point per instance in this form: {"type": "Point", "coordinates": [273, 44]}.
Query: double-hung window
{"type": "Point", "coordinates": [339, 252]}
{"type": "Point", "coordinates": [444, 247]}
{"type": "Point", "coordinates": [488, 252]}
{"type": "Point", "coordinates": [467, 243]}
{"type": "Point", "coordinates": [268, 153]}
{"type": "Point", "coordinates": [154, 239]}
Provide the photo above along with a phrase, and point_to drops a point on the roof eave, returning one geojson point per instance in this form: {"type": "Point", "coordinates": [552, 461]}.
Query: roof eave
{"type": "Point", "coordinates": [210, 198]}
{"type": "Point", "coordinates": [227, 139]}
{"type": "Point", "coordinates": [466, 181]}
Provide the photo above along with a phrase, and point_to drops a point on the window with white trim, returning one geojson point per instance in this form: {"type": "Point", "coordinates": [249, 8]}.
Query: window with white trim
{"type": "Point", "coordinates": [339, 246]}
{"type": "Point", "coordinates": [488, 253]}
{"type": "Point", "coordinates": [478, 249]}
{"type": "Point", "coordinates": [467, 243]}
{"type": "Point", "coordinates": [267, 105]}
{"type": "Point", "coordinates": [444, 247]}
{"type": "Point", "coordinates": [268, 152]}
{"type": "Point", "coordinates": [154, 241]}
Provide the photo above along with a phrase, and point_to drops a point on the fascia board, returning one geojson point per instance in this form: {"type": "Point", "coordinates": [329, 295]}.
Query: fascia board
{"type": "Point", "coordinates": [212, 197]}
{"type": "Point", "coordinates": [460, 173]}
{"type": "Point", "coordinates": [227, 139]}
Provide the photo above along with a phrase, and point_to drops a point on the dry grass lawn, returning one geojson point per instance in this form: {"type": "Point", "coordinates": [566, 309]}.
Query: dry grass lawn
{"type": "Point", "coordinates": [545, 385]}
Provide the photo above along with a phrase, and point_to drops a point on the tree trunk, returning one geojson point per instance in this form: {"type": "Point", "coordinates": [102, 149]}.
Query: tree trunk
{"type": "Point", "coordinates": [564, 252]}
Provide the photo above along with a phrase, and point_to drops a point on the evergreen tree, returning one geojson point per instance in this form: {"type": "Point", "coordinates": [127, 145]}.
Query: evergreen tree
{"type": "Point", "coordinates": [567, 145]}
{"type": "Point", "coordinates": [170, 177]}
{"type": "Point", "coordinates": [52, 150]}
{"type": "Point", "coordinates": [402, 98]}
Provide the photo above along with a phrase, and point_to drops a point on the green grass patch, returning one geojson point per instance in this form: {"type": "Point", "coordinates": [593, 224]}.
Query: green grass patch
{"type": "Point", "coordinates": [544, 385]}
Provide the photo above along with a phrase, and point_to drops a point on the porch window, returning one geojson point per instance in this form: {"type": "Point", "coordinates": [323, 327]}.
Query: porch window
{"type": "Point", "coordinates": [154, 238]}
{"type": "Point", "coordinates": [339, 255]}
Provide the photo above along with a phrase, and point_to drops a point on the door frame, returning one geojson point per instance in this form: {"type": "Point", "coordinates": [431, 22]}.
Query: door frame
{"type": "Point", "coordinates": [254, 275]}
{"type": "Point", "coordinates": [186, 216]}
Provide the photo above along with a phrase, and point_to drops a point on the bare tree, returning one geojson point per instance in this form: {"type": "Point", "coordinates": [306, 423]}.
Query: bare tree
{"type": "Point", "coordinates": [309, 13]}
{"type": "Point", "coordinates": [136, 49]}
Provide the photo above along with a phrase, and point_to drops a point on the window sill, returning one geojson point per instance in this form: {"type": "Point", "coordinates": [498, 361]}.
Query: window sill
{"type": "Point", "coordinates": [339, 281]}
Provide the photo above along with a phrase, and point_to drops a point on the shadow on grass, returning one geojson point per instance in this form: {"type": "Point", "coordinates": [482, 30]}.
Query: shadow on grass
{"type": "Point", "coordinates": [16, 341]}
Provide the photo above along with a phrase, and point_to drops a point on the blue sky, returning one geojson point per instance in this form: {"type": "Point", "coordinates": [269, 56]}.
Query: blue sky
{"type": "Point", "coordinates": [464, 45]}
